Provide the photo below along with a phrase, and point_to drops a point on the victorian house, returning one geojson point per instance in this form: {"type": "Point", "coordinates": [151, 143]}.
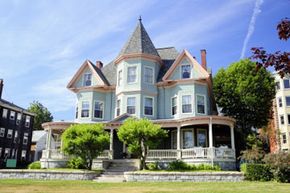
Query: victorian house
{"type": "Point", "coordinates": [170, 88]}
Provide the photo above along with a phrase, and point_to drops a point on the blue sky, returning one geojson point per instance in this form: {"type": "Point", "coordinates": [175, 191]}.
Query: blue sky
{"type": "Point", "coordinates": [43, 43]}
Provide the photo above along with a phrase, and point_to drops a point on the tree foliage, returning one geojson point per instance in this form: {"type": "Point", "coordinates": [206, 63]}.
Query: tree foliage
{"type": "Point", "coordinates": [86, 141]}
{"type": "Point", "coordinates": [279, 60]}
{"type": "Point", "coordinates": [245, 94]}
{"type": "Point", "coordinates": [42, 114]}
{"type": "Point", "coordinates": [140, 135]}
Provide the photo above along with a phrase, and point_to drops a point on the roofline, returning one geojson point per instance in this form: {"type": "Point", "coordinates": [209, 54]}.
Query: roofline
{"type": "Point", "coordinates": [138, 55]}
{"type": "Point", "coordinates": [19, 109]}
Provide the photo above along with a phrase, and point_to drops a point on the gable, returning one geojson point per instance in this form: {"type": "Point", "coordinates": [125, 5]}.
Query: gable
{"type": "Point", "coordinates": [185, 58]}
{"type": "Point", "coordinates": [97, 77]}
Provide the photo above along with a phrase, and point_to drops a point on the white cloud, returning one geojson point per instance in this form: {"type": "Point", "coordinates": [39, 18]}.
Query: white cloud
{"type": "Point", "coordinates": [251, 27]}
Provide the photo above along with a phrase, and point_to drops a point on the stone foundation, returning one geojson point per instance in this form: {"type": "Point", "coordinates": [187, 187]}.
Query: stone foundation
{"type": "Point", "coordinates": [184, 176]}
{"type": "Point", "coordinates": [48, 175]}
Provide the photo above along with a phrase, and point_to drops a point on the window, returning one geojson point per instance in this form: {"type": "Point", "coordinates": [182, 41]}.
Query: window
{"type": "Point", "coordinates": [77, 112]}
{"type": "Point", "coordinates": [12, 115]}
{"type": "Point", "coordinates": [277, 84]}
{"type": "Point", "coordinates": [201, 138]}
{"type": "Point", "coordinates": [148, 75]}
{"type": "Point", "coordinates": [25, 138]}
{"type": "Point", "coordinates": [4, 113]}
{"type": "Point", "coordinates": [85, 109]}
{"type": "Point", "coordinates": [2, 132]}
{"type": "Point", "coordinates": [18, 119]}
{"type": "Point", "coordinates": [13, 153]}
{"type": "Point", "coordinates": [174, 105]}
{"type": "Point", "coordinates": [7, 153]}
{"type": "Point", "coordinates": [99, 109]}
{"type": "Point", "coordinates": [131, 74]}
{"type": "Point", "coordinates": [15, 136]}
{"type": "Point", "coordinates": [187, 139]}
{"type": "Point", "coordinates": [120, 78]}
{"type": "Point", "coordinates": [282, 119]}
{"type": "Point", "coordinates": [200, 104]}
{"type": "Point", "coordinates": [87, 79]}
{"type": "Point", "coordinates": [186, 104]}
{"type": "Point", "coordinates": [280, 104]}
{"type": "Point", "coordinates": [287, 101]}
{"type": "Point", "coordinates": [9, 133]}
{"type": "Point", "coordinates": [131, 101]}
{"type": "Point", "coordinates": [174, 139]}
{"type": "Point", "coordinates": [148, 107]}
{"type": "Point", "coordinates": [284, 139]}
{"type": "Point", "coordinates": [118, 105]}
{"type": "Point", "coordinates": [286, 83]}
{"type": "Point", "coordinates": [0, 152]}
{"type": "Point", "coordinates": [186, 71]}
{"type": "Point", "coordinates": [23, 154]}
{"type": "Point", "coordinates": [27, 121]}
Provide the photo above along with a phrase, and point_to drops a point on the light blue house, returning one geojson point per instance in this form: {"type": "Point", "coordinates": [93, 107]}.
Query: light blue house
{"type": "Point", "coordinates": [172, 89]}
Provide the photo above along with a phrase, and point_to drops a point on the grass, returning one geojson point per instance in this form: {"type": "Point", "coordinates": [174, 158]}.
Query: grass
{"type": "Point", "coordinates": [182, 171]}
{"type": "Point", "coordinates": [34, 186]}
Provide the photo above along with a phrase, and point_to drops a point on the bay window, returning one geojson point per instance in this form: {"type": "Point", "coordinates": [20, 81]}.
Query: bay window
{"type": "Point", "coordinates": [132, 77]}
{"type": "Point", "coordinates": [148, 107]}
{"type": "Point", "coordinates": [131, 105]}
{"type": "Point", "coordinates": [186, 104]}
{"type": "Point", "coordinates": [174, 106]}
{"type": "Point", "coordinates": [99, 109]}
{"type": "Point", "coordinates": [148, 75]}
{"type": "Point", "coordinates": [85, 109]}
{"type": "Point", "coordinates": [200, 104]}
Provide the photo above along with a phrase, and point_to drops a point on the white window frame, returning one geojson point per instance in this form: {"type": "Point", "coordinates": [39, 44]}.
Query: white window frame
{"type": "Point", "coordinates": [4, 113]}
{"type": "Point", "coordinates": [9, 133]}
{"type": "Point", "coordinates": [25, 138]}
{"type": "Point", "coordinates": [175, 96]}
{"type": "Point", "coordinates": [23, 154]}
{"type": "Point", "coordinates": [144, 99]}
{"type": "Point", "coordinates": [118, 108]}
{"type": "Point", "coordinates": [127, 104]}
{"type": "Point", "coordinates": [85, 109]}
{"type": "Point", "coordinates": [284, 134]}
{"type": "Point", "coordinates": [205, 107]}
{"type": "Point", "coordinates": [15, 136]}
{"type": "Point", "coordinates": [120, 77]}
{"type": "Point", "coordinates": [12, 117]}
{"type": "Point", "coordinates": [102, 109]}
{"type": "Point", "coordinates": [136, 74]}
{"type": "Point", "coordinates": [27, 120]}
{"type": "Point", "coordinates": [280, 100]}
{"type": "Point", "coordinates": [193, 137]}
{"type": "Point", "coordinates": [2, 132]}
{"type": "Point", "coordinates": [152, 75]}
{"type": "Point", "coordinates": [284, 84]}
{"type": "Point", "coordinates": [18, 118]}
{"type": "Point", "coordinates": [84, 79]}
{"type": "Point", "coordinates": [7, 152]}
{"type": "Point", "coordinates": [206, 137]}
{"type": "Point", "coordinates": [286, 101]}
{"type": "Point", "coordinates": [283, 119]}
{"type": "Point", "coordinates": [181, 74]}
{"type": "Point", "coordinates": [191, 103]}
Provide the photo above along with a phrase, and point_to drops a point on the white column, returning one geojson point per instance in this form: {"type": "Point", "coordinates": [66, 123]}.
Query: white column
{"type": "Point", "coordinates": [232, 137]}
{"type": "Point", "coordinates": [178, 143]}
{"type": "Point", "coordinates": [210, 133]}
{"type": "Point", "coordinates": [111, 142]}
{"type": "Point", "coordinates": [48, 142]}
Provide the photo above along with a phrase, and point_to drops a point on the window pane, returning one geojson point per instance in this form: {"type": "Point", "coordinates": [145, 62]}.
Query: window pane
{"type": "Point", "coordinates": [174, 105]}
{"type": "Point", "coordinates": [12, 115]}
{"type": "Point", "coordinates": [288, 119]}
{"type": "Point", "coordinates": [120, 78]}
{"type": "Point", "coordinates": [5, 112]}
{"type": "Point", "coordinates": [87, 79]}
{"type": "Point", "coordinates": [187, 139]}
{"type": "Point", "coordinates": [286, 83]}
{"type": "Point", "coordinates": [85, 109]}
{"type": "Point", "coordinates": [148, 106]}
{"type": "Point", "coordinates": [98, 110]}
{"type": "Point", "coordinates": [280, 102]}
{"type": "Point", "coordinates": [200, 104]}
{"type": "Point", "coordinates": [118, 107]}
{"type": "Point", "coordinates": [186, 104]}
{"type": "Point", "coordinates": [287, 100]}
{"type": "Point", "coordinates": [277, 84]}
{"type": "Point", "coordinates": [185, 71]}
{"type": "Point", "coordinates": [148, 75]}
{"type": "Point", "coordinates": [131, 74]}
{"type": "Point", "coordinates": [201, 138]}
{"type": "Point", "coordinates": [131, 105]}
{"type": "Point", "coordinates": [282, 119]}
{"type": "Point", "coordinates": [2, 132]}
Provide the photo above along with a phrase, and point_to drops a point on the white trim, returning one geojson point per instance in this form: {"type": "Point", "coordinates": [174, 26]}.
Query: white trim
{"type": "Point", "coordinates": [144, 97]}
{"type": "Point", "coordinates": [175, 96]}
{"type": "Point", "coordinates": [205, 106]}
{"type": "Point", "coordinates": [9, 132]}
{"type": "Point", "coordinates": [136, 79]}
{"type": "Point", "coordinates": [14, 114]}
{"type": "Point", "coordinates": [206, 136]}
{"type": "Point", "coordinates": [81, 117]}
{"type": "Point", "coordinates": [191, 103]}
{"type": "Point", "coordinates": [119, 107]}
{"type": "Point", "coordinates": [127, 104]}
{"type": "Point", "coordinates": [102, 111]}
{"type": "Point", "coordinates": [2, 131]}
{"type": "Point", "coordinates": [119, 83]}
{"type": "Point", "coordinates": [153, 75]}
{"type": "Point", "coordinates": [193, 136]}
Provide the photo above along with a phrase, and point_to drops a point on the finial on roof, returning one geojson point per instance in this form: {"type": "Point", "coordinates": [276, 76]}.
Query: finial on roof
{"type": "Point", "coordinates": [140, 19]}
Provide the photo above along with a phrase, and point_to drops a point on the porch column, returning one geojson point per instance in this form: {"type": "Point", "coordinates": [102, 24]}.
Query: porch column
{"type": "Point", "coordinates": [48, 142]}
{"type": "Point", "coordinates": [111, 142]}
{"type": "Point", "coordinates": [210, 133]}
{"type": "Point", "coordinates": [232, 137]}
{"type": "Point", "coordinates": [178, 143]}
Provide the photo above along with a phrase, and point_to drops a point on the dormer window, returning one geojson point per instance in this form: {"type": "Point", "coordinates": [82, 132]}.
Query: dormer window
{"type": "Point", "coordinates": [132, 77]}
{"type": "Point", "coordinates": [186, 71]}
{"type": "Point", "coordinates": [87, 79]}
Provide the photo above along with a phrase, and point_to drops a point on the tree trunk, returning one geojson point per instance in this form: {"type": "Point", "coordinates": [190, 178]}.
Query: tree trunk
{"type": "Point", "coordinates": [143, 156]}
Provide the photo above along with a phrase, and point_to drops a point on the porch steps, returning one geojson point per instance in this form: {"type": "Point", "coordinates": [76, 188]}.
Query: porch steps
{"type": "Point", "coordinates": [116, 169]}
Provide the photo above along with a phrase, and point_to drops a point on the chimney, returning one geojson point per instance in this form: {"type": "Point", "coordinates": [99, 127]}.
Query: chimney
{"type": "Point", "coordinates": [203, 58]}
{"type": "Point", "coordinates": [99, 64]}
{"type": "Point", "coordinates": [1, 87]}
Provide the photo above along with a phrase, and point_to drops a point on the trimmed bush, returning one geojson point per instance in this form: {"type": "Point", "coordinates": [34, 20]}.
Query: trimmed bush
{"type": "Point", "coordinates": [178, 165]}
{"type": "Point", "coordinates": [206, 167]}
{"type": "Point", "coordinates": [257, 172]}
{"type": "Point", "coordinates": [152, 166]}
{"type": "Point", "coordinates": [76, 163]}
{"type": "Point", "coordinates": [34, 165]}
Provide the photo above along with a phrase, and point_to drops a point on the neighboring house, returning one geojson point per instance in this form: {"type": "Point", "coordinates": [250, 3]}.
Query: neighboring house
{"type": "Point", "coordinates": [38, 144]}
{"type": "Point", "coordinates": [281, 109]}
{"type": "Point", "coordinates": [170, 88]}
{"type": "Point", "coordinates": [16, 125]}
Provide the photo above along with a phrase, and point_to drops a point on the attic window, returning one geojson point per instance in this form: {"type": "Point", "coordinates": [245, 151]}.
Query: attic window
{"type": "Point", "coordinates": [186, 71]}
{"type": "Point", "coordinates": [87, 79]}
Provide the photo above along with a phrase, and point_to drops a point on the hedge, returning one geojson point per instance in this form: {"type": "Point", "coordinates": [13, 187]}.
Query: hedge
{"type": "Point", "coordinates": [257, 172]}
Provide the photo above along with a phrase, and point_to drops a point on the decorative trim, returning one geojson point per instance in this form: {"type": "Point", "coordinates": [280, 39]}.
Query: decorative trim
{"type": "Point", "coordinates": [138, 55]}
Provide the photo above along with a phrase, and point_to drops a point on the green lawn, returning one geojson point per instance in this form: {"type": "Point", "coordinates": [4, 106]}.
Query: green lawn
{"type": "Point", "coordinates": [34, 186]}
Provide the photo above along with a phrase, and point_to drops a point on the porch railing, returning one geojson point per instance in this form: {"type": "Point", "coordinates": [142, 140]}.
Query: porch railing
{"type": "Point", "coordinates": [202, 153]}
{"type": "Point", "coordinates": [162, 154]}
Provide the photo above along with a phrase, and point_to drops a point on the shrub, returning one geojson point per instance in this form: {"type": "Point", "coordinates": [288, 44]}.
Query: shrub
{"type": "Point", "coordinates": [34, 165]}
{"type": "Point", "coordinates": [280, 165]}
{"type": "Point", "coordinates": [152, 166]}
{"type": "Point", "coordinates": [257, 172]}
{"type": "Point", "coordinates": [76, 163]}
{"type": "Point", "coordinates": [178, 165]}
{"type": "Point", "coordinates": [207, 167]}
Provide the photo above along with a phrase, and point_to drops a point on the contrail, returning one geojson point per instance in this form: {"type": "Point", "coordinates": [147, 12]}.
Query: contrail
{"type": "Point", "coordinates": [251, 28]}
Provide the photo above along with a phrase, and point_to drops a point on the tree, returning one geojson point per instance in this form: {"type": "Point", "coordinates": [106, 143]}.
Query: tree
{"type": "Point", "coordinates": [279, 60]}
{"type": "Point", "coordinates": [254, 152]}
{"type": "Point", "coordinates": [140, 135]}
{"type": "Point", "coordinates": [245, 94]}
{"type": "Point", "coordinates": [86, 141]}
{"type": "Point", "coordinates": [42, 114]}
